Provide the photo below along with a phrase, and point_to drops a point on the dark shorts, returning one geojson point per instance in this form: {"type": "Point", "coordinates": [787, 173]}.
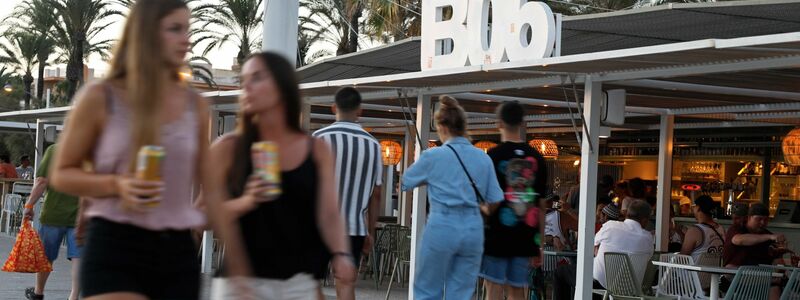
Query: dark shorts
{"type": "Point", "coordinates": [356, 246]}
{"type": "Point", "coordinates": [125, 258]}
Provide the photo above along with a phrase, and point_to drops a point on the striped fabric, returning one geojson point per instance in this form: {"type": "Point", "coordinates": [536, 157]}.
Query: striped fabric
{"type": "Point", "coordinates": [358, 169]}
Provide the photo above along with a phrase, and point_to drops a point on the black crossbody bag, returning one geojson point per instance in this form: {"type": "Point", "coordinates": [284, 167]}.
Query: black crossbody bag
{"type": "Point", "coordinates": [472, 182]}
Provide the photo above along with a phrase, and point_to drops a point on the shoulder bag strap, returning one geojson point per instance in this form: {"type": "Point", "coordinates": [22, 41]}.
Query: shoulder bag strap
{"type": "Point", "coordinates": [472, 182]}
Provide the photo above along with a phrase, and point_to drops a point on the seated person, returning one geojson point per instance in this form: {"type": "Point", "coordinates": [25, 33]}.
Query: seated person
{"type": "Point", "coordinates": [558, 223]}
{"type": "Point", "coordinates": [706, 236]}
{"type": "Point", "coordinates": [753, 244]}
{"type": "Point", "coordinates": [615, 236]}
{"type": "Point", "coordinates": [606, 213]}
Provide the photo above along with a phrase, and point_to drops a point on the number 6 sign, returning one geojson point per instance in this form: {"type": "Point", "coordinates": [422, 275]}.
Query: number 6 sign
{"type": "Point", "coordinates": [464, 38]}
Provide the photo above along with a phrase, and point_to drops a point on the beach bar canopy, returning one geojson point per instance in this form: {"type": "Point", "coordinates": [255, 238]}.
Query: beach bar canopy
{"type": "Point", "coordinates": [682, 66]}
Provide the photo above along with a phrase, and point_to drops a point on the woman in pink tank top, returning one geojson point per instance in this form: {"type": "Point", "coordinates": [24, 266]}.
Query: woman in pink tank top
{"type": "Point", "coordinates": [135, 249]}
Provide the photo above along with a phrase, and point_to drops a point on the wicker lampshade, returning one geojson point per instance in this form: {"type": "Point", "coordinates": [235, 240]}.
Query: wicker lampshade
{"type": "Point", "coordinates": [791, 147]}
{"type": "Point", "coordinates": [547, 148]}
{"type": "Point", "coordinates": [485, 145]}
{"type": "Point", "coordinates": [391, 152]}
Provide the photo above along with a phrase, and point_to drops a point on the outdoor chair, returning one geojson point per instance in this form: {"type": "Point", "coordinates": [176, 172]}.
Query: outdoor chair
{"type": "Point", "coordinates": [792, 289]}
{"type": "Point", "coordinates": [387, 249]}
{"type": "Point", "coordinates": [750, 283]}
{"type": "Point", "coordinates": [402, 257]}
{"type": "Point", "coordinates": [621, 279]}
{"type": "Point", "coordinates": [711, 260]}
{"type": "Point", "coordinates": [681, 283]}
{"type": "Point", "coordinates": [13, 205]}
{"type": "Point", "coordinates": [650, 276]}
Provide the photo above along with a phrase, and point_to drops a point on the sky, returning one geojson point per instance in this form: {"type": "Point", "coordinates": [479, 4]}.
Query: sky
{"type": "Point", "coordinates": [220, 59]}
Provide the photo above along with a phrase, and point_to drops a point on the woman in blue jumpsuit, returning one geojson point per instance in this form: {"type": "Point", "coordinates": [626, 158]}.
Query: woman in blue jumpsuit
{"type": "Point", "coordinates": [452, 242]}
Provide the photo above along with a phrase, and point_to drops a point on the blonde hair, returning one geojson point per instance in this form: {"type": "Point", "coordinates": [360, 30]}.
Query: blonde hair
{"type": "Point", "coordinates": [451, 115]}
{"type": "Point", "coordinates": [138, 63]}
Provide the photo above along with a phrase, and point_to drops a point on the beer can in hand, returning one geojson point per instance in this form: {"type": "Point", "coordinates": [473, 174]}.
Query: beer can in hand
{"type": "Point", "coordinates": [267, 166]}
{"type": "Point", "coordinates": [149, 162]}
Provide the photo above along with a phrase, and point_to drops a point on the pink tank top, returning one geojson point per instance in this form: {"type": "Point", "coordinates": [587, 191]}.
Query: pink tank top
{"type": "Point", "coordinates": [112, 156]}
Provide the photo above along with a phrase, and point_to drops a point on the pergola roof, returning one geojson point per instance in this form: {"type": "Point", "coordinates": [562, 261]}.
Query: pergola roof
{"type": "Point", "coordinates": [724, 64]}
{"type": "Point", "coordinates": [658, 25]}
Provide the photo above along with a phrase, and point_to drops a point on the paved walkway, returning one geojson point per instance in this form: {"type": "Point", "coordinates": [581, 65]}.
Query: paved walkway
{"type": "Point", "coordinates": [12, 285]}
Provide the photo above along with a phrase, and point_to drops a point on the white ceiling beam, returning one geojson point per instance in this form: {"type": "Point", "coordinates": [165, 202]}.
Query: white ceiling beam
{"type": "Point", "coordinates": [703, 69]}
{"type": "Point", "coordinates": [747, 108]}
{"type": "Point", "coordinates": [711, 89]}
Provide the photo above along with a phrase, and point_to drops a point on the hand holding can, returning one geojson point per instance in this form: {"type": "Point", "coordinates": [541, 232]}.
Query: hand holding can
{"type": "Point", "coordinates": [266, 165]}
{"type": "Point", "coordinates": [149, 163]}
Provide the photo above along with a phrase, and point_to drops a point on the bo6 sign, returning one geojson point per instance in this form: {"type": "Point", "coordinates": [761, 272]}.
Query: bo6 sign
{"type": "Point", "coordinates": [474, 43]}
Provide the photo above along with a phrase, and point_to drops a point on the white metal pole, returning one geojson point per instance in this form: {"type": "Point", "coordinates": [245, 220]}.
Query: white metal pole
{"type": "Point", "coordinates": [207, 244]}
{"type": "Point", "coordinates": [588, 188]}
{"type": "Point", "coordinates": [419, 212]}
{"type": "Point", "coordinates": [39, 144]}
{"type": "Point", "coordinates": [664, 192]}
{"type": "Point", "coordinates": [280, 27]}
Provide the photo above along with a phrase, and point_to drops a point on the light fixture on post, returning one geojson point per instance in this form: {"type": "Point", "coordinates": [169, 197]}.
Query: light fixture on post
{"type": "Point", "coordinates": [791, 147]}
{"type": "Point", "coordinates": [8, 88]}
{"type": "Point", "coordinates": [546, 148]}
{"type": "Point", "coordinates": [485, 145]}
{"type": "Point", "coordinates": [391, 152]}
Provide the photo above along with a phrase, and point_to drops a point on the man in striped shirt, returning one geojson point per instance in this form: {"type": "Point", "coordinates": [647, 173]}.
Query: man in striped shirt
{"type": "Point", "coordinates": [358, 170]}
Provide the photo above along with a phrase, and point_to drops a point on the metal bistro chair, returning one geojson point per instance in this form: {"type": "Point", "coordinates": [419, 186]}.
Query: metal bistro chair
{"type": "Point", "coordinates": [403, 256]}
{"type": "Point", "coordinates": [711, 260]}
{"type": "Point", "coordinates": [387, 250]}
{"type": "Point", "coordinates": [750, 283]}
{"type": "Point", "coordinates": [681, 283]}
{"type": "Point", "coordinates": [621, 279]}
{"type": "Point", "coordinates": [792, 289]}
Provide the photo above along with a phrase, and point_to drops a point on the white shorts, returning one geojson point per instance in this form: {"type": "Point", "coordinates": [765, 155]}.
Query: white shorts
{"type": "Point", "coordinates": [300, 287]}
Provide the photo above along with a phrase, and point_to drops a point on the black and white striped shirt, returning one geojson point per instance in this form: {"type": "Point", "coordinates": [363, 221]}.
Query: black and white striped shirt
{"type": "Point", "coordinates": [359, 168]}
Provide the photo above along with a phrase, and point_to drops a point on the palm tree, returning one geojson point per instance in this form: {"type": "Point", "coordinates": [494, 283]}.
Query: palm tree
{"type": "Point", "coordinates": [200, 68]}
{"type": "Point", "coordinates": [389, 18]}
{"type": "Point", "coordinates": [308, 36]}
{"type": "Point", "coordinates": [229, 21]}
{"type": "Point", "coordinates": [21, 55]}
{"type": "Point", "coordinates": [79, 23]}
{"type": "Point", "coordinates": [340, 19]}
{"type": "Point", "coordinates": [37, 17]}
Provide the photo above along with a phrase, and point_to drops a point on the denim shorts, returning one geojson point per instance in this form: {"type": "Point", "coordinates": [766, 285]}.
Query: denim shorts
{"type": "Point", "coordinates": [52, 236]}
{"type": "Point", "coordinates": [513, 271]}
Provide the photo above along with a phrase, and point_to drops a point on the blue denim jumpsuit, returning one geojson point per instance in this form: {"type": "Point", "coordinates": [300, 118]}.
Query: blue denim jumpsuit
{"type": "Point", "coordinates": [451, 245]}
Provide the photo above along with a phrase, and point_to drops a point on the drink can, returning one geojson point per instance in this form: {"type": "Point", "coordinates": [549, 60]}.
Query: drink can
{"type": "Point", "coordinates": [267, 166]}
{"type": "Point", "coordinates": [149, 162]}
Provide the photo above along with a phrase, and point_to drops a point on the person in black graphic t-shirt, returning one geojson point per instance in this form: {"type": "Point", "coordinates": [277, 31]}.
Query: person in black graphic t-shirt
{"type": "Point", "coordinates": [514, 232]}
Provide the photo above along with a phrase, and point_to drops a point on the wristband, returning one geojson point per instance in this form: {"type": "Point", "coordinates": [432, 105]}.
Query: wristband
{"type": "Point", "coordinates": [345, 254]}
{"type": "Point", "coordinates": [28, 206]}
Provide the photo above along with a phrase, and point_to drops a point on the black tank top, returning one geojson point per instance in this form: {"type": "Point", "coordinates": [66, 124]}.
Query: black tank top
{"type": "Point", "coordinates": [282, 237]}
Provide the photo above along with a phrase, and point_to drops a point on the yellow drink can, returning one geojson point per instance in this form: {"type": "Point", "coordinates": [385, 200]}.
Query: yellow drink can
{"type": "Point", "coordinates": [149, 163]}
{"type": "Point", "coordinates": [267, 166]}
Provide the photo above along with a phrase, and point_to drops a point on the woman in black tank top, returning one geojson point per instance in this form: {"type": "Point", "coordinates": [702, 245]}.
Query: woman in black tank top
{"type": "Point", "coordinates": [284, 238]}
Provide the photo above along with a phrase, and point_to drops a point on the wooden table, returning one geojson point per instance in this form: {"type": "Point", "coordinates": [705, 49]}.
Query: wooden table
{"type": "Point", "coordinates": [716, 273]}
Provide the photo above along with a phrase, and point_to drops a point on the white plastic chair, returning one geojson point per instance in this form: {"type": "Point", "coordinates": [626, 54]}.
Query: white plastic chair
{"type": "Point", "coordinates": [621, 279]}
{"type": "Point", "coordinates": [12, 213]}
{"type": "Point", "coordinates": [750, 283]}
{"type": "Point", "coordinates": [792, 289]}
{"type": "Point", "coordinates": [678, 282]}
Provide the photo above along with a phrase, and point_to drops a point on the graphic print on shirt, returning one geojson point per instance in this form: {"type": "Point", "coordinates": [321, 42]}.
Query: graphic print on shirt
{"type": "Point", "coordinates": [520, 195]}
